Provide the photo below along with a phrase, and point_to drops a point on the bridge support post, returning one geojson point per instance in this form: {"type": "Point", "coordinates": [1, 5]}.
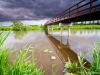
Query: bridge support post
{"type": "Point", "coordinates": [60, 40]}
{"type": "Point", "coordinates": [65, 24]}
{"type": "Point", "coordinates": [61, 29]}
{"type": "Point", "coordinates": [68, 31]}
{"type": "Point", "coordinates": [48, 28]}
{"type": "Point", "coordinates": [69, 25]}
{"type": "Point", "coordinates": [68, 39]}
{"type": "Point", "coordinates": [52, 29]}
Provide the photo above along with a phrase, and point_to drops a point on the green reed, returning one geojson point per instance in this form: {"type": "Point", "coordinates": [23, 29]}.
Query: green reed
{"type": "Point", "coordinates": [23, 63]}
{"type": "Point", "coordinates": [78, 67]}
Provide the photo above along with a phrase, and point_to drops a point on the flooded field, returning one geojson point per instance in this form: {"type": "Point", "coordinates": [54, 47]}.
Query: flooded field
{"type": "Point", "coordinates": [53, 49]}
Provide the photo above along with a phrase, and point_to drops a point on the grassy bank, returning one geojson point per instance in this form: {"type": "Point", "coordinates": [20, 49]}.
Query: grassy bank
{"type": "Point", "coordinates": [19, 26]}
{"type": "Point", "coordinates": [78, 68]}
{"type": "Point", "coordinates": [23, 64]}
{"type": "Point", "coordinates": [85, 27]}
{"type": "Point", "coordinates": [55, 27]}
{"type": "Point", "coordinates": [22, 28]}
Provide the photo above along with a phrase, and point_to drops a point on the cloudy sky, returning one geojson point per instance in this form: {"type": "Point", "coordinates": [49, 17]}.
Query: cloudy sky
{"type": "Point", "coordinates": [31, 11]}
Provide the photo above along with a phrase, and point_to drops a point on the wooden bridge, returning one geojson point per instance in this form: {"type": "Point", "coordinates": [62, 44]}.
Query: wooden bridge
{"type": "Point", "coordinates": [82, 11]}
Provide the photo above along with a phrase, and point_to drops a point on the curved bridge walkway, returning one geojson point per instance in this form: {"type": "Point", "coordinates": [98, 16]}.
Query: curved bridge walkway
{"type": "Point", "coordinates": [82, 11]}
{"type": "Point", "coordinates": [78, 12]}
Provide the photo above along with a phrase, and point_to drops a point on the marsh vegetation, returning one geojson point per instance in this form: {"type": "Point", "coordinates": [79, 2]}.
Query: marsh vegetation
{"type": "Point", "coordinates": [22, 65]}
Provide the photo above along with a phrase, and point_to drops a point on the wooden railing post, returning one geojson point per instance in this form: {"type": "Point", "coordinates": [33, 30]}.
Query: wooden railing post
{"type": "Point", "coordinates": [74, 12]}
{"type": "Point", "coordinates": [69, 14]}
{"type": "Point", "coordinates": [90, 8]}
{"type": "Point", "coordinates": [77, 11]}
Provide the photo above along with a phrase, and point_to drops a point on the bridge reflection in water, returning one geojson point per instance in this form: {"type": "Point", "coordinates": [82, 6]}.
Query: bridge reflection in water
{"type": "Point", "coordinates": [63, 51]}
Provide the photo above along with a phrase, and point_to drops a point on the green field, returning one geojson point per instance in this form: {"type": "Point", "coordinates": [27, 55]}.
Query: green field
{"type": "Point", "coordinates": [18, 26]}
{"type": "Point", "coordinates": [55, 27]}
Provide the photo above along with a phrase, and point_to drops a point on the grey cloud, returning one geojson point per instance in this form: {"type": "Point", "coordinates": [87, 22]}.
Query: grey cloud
{"type": "Point", "coordinates": [32, 9]}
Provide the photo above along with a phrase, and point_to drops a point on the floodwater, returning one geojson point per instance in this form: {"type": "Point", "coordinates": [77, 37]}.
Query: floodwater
{"type": "Point", "coordinates": [80, 41]}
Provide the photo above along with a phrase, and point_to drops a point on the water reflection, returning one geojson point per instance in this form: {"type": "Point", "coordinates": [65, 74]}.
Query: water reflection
{"type": "Point", "coordinates": [89, 31]}
{"type": "Point", "coordinates": [19, 34]}
{"type": "Point", "coordinates": [62, 47]}
{"type": "Point", "coordinates": [63, 51]}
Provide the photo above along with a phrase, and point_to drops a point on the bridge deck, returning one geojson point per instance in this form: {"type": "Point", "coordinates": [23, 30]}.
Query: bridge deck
{"type": "Point", "coordinates": [78, 12]}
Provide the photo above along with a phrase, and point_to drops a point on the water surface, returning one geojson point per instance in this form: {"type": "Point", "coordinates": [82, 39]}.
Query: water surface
{"type": "Point", "coordinates": [62, 47]}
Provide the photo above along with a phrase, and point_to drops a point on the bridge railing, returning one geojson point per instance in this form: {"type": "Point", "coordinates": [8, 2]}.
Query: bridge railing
{"type": "Point", "coordinates": [75, 11]}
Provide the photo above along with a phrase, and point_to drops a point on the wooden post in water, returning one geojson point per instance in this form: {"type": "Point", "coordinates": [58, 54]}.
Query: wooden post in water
{"type": "Point", "coordinates": [52, 29]}
{"type": "Point", "coordinates": [48, 28]}
{"type": "Point", "coordinates": [60, 40]}
{"type": "Point", "coordinates": [61, 28]}
{"type": "Point", "coordinates": [68, 31]}
{"type": "Point", "coordinates": [65, 24]}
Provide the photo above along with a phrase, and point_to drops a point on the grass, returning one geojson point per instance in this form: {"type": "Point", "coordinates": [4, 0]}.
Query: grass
{"type": "Point", "coordinates": [78, 68]}
{"type": "Point", "coordinates": [95, 65]}
{"type": "Point", "coordinates": [85, 27]}
{"type": "Point", "coordinates": [22, 65]}
{"type": "Point", "coordinates": [3, 38]}
{"type": "Point", "coordinates": [21, 28]}
{"type": "Point", "coordinates": [55, 27]}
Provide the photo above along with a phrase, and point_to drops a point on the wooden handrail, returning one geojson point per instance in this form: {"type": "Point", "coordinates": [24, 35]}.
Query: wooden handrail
{"type": "Point", "coordinates": [67, 13]}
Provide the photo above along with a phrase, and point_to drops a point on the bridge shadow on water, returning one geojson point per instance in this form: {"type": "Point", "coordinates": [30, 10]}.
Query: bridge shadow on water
{"type": "Point", "coordinates": [63, 51]}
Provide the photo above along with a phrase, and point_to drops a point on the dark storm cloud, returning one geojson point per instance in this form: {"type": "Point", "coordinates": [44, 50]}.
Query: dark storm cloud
{"type": "Point", "coordinates": [32, 9]}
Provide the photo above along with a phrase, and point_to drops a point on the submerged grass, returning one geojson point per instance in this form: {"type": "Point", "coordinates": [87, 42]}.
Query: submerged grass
{"type": "Point", "coordinates": [78, 68]}
{"type": "Point", "coordinates": [22, 65]}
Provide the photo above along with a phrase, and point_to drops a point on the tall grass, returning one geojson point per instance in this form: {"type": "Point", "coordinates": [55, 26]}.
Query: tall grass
{"type": "Point", "coordinates": [78, 68]}
{"type": "Point", "coordinates": [3, 37]}
{"type": "Point", "coordinates": [22, 65]}
{"type": "Point", "coordinates": [95, 65]}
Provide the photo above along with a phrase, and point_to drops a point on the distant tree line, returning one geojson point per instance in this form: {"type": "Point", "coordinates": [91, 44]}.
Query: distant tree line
{"type": "Point", "coordinates": [87, 23]}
